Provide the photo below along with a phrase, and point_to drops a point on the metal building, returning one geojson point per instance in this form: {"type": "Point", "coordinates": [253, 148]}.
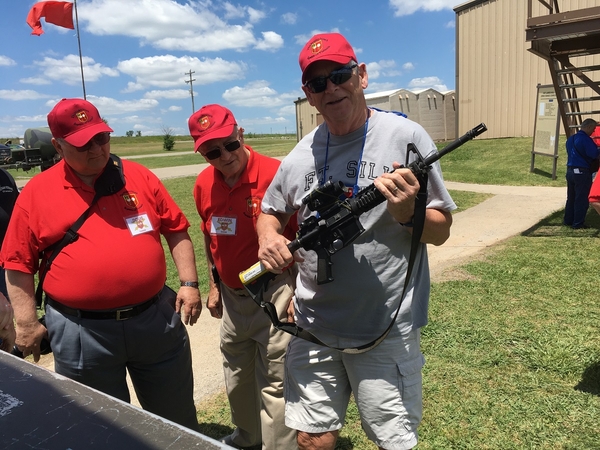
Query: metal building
{"type": "Point", "coordinates": [505, 48]}
{"type": "Point", "coordinates": [435, 111]}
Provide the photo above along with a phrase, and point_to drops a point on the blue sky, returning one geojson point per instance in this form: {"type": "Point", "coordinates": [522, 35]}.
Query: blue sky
{"type": "Point", "coordinates": [244, 54]}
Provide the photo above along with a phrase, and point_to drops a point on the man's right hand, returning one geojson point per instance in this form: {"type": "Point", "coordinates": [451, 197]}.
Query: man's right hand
{"type": "Point", "coordinates": [273, 252]}
{"type": "Point", "coordinates": [29, 338]}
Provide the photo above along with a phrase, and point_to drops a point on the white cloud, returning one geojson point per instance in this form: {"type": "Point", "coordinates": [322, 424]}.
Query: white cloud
{"type": "Point", "coordinates": [168, 25]}
{"type": "Point", "coordinates": [426, 83]}
{"type": "Point", "coordinates": [268, 119]}
{"type": "Point", "coordinates": [68, 70]}
{"type": "Point", "coordinates": [303, 38]}
{"type": "Point", "coordinates": [240, 12]}
{"type": "Point", "coordinates": [289, 110]}
{"type": "Point", "coordinates": [258, 94]}
{"type": "Point", "coordinates": [408, 66]}
{"type": "Point", "coordinates": [37, 80]}
{"type": "Point", "coordinates": [232, 11]}
{"type": "Point", "coordinates": [254, 15]}
{"type": "Point", "coordinates": [6, 61]}
{"type": "Point", "coordinates": [380, 87]}
{"type": "Point", "coordinates": [383, 68]}
{"type": "Point", "coordinates": [271, 41]}
{"type": "Point", "coordinates": [407, 7]}
{"type": "Point", "coordinates": [451, 24]}
{"type": "Point", "coordinates": [109, 106]}
{"type": "Point", "coordinates": [169, 93]}
{"type": "Point", "coordinates": [168, 71]}
{"type": "Point", "coordinates": [17, 95]}
{"type": "Point", "coordinates": [289, 18]}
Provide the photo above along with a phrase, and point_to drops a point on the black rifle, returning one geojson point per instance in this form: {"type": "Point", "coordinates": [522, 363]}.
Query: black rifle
{"type": "Point", "coordinates": [337, 223]}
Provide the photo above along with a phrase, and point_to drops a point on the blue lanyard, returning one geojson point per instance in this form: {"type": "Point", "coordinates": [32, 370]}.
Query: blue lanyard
{"type": "Point", "coordinates": [355, 187]}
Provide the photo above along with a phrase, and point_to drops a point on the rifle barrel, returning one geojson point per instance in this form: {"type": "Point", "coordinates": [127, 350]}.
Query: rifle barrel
{"type": "Point", "coordinates": [471, 134]}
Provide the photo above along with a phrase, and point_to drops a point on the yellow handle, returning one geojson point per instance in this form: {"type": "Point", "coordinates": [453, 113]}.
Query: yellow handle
{"type": "Point", "coordinates": [251, 274]}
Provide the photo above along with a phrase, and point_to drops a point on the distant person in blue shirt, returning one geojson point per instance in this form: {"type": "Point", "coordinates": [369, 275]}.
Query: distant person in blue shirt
{"type": "Point", "coordinates": [581, 153]}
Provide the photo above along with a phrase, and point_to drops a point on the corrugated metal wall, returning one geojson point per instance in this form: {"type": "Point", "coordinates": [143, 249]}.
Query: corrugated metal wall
{"type": "Point", "coordinates": [496, 75]}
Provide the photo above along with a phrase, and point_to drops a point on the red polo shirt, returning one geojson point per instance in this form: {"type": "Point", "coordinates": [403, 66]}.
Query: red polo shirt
{"type": "Point", "coordinates": [118, 259]}
{"type": "Point", "coordinates": [229, 215]}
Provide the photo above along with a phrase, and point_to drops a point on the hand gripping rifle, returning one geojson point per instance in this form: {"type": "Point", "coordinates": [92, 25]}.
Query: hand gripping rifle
{"type": "Point", "coordinates": [337, 225]}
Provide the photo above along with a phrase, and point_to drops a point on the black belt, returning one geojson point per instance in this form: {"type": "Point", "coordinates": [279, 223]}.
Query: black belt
{"type": "Point", "coordinates": [116, 314]}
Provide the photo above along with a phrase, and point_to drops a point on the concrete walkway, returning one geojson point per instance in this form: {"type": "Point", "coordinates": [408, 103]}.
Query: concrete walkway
{"type": "Point", "coordinates": [509, 212]}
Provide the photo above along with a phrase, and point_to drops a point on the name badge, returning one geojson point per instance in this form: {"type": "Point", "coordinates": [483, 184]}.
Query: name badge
{"type": "Point", "coordinates": [223, 226]}
{"type": "Point", "coordinates": [139, 224]}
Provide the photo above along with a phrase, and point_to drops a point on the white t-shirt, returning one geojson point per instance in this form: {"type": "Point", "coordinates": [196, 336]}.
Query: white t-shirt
{"type": "Point", "coordinates": [368, 274]}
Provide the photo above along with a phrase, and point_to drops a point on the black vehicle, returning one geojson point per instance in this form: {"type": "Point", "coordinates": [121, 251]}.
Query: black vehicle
{"type": "Point", "coordinates": [37, 151]}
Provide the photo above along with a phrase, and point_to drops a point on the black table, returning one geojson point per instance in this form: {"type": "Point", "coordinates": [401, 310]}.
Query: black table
{"type": "Point", "coordinates": [40, 409]}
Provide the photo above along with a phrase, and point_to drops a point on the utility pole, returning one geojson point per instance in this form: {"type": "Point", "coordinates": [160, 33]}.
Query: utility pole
{"type": "Point", "coordinates": [191, 88]}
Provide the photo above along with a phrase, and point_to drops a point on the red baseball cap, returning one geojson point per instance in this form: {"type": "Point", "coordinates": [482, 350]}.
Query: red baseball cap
{"type": "Point", "coordinates": [327, 46]}
{"type": "Point", "coordinates": [76, 121]}
{"type": "Point", "coordinates": [211, 122]}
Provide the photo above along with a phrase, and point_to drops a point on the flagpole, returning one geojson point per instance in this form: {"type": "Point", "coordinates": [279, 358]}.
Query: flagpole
{"type": "Point", "coordinates": [79, 44]}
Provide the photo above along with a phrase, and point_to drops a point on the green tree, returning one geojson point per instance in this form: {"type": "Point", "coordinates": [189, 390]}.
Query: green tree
{"type": "Point", "coordinates": [168, 139]}
{"type": "Point", "coordinates": [138, 133]}
{"type": "Point", "coordinates": [129, 133]}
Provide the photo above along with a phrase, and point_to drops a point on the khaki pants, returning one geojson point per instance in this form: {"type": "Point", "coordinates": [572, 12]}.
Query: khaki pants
{"type": "Point", "coordinates": [253, 364]}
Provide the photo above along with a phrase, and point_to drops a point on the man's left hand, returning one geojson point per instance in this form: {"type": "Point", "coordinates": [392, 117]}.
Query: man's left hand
{"type": "Point", "coordinates": [400, 188]}
{"type": "Point", "coordinates": [188, 304]}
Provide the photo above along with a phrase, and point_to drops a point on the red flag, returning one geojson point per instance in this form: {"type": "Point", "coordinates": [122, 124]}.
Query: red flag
{"type": "Point", "coordinates": [58, 13]}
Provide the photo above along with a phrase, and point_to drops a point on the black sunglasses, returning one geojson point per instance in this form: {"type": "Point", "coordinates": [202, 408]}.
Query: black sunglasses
{"type": "Point", "coordinates": [337, 77]}
{"type": "Point", "coordinates": [216, 153]}
{"type": "Point", "coordinates": [100, 139]}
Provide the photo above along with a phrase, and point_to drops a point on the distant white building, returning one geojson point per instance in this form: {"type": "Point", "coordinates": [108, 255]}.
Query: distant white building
{"type": "Point", "coordinates": [434, 110]}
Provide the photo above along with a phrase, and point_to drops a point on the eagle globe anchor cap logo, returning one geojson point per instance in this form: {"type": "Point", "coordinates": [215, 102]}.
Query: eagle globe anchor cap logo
{"type": "Point", "coordinates": [82, 116]}
{"type": "Point", "coordinates": [317, 46]}
{"type": "Point", "coordinates": [204, 122]}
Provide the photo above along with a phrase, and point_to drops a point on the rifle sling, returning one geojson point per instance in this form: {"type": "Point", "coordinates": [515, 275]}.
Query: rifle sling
{"type": "Point", "coordinates": [295, 330]}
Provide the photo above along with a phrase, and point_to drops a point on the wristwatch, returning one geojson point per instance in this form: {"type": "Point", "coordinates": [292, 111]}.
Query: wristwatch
{"type": "Point", "coordinates": [193, 284]}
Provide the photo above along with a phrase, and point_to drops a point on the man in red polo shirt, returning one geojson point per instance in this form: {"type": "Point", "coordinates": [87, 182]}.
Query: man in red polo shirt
{"type": "Point", "coordinates": [228, 196]}
{"type": "Point", "coordinates": [104, 314]}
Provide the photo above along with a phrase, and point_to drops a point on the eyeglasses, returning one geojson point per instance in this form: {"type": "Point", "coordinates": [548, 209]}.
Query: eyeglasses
{"type": "Point", "coordinates": [337, 77]}
{"type": "Point", "coordinates": [216, 153]}
{"type": "Point", "coordinates": [100, 139]}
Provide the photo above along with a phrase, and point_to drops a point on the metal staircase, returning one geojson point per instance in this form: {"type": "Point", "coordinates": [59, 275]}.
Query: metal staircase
{"type": "Point", "coordinates": [565, 40]}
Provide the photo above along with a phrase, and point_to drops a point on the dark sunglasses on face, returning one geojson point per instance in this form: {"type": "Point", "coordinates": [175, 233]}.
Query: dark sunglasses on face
{"type": "Point", "coordinates": [337, 77]}
{"type": "Point", "coordinates": [100, 139]}
{"type": "Point", "coordinates": [216, 153]}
